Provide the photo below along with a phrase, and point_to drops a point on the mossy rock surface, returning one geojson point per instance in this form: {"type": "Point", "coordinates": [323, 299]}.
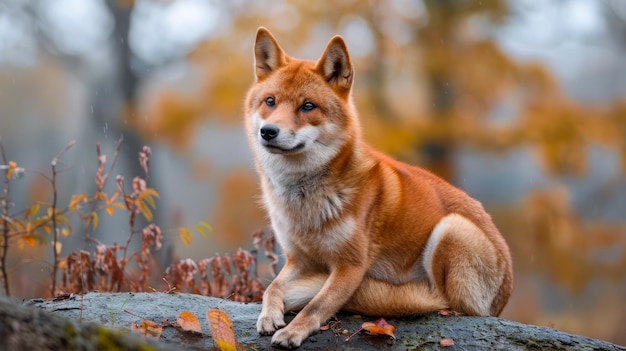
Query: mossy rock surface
{"type": "Point", "coordinates": [102, 320]}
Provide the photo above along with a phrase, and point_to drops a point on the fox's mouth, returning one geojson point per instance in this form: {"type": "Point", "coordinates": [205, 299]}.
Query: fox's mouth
{"type": "Point", "coordinates": [275, 149]}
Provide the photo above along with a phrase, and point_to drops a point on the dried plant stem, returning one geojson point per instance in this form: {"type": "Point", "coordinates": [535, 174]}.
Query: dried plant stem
{"type": "Point", "coordinates": [55, 230]}
{"type": "Point", "coordinates": [104, 179]}
{"type": "Point", "coordinates": [115, 156]}
{"type": "Point", "coordinates": [131, 224]}
{"type": "Point", "coordinates": [5, 228]}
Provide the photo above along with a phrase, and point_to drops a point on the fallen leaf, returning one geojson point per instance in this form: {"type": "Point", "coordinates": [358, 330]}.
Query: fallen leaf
{"type": "Point", "coordinates": [147, 329]}
{"type": "Point", "coordinates": [447, 313]}
{"type": "Point", "coordinates": [189, 322]}
{"type": "Point", "coordinates": [222, 330]}
{"type": "Point", "coordinates": [380, 327]}
{"type": "Point", "coordinates": [445, 342]}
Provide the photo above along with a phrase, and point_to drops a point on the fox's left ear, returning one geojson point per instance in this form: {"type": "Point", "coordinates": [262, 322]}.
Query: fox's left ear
{"type": "Point", "coordinates": [335, 65]}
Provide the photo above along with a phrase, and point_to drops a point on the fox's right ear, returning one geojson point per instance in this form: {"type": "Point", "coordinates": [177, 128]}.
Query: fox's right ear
{"type": "Point", "coordinates": [268, 55]}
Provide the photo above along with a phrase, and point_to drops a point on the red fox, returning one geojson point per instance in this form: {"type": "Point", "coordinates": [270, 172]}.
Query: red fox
{"type": "Point", "coordinates": [360, 231]}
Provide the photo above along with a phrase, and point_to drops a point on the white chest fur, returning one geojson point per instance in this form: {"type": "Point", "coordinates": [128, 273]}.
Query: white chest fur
{"type": "Point", "coordinates": [309, 210]}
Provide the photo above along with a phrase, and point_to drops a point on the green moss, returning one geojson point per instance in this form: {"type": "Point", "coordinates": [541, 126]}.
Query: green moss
{"type": "Point", "coordinates": [110, 340]}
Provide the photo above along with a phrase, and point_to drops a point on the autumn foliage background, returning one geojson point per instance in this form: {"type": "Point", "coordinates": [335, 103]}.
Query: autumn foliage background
{"type": "Point", "coordinates": [522, 104]}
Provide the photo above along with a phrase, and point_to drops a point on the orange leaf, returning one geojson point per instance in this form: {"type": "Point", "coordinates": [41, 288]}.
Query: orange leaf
{"type": "Point", "coordinates": [147, 329]}
{"type": "Point", "coordinates": [380, 327]}
{"type": "Point", "coordinates": [101, 196]}
{"type": "Point", "coordinates": [29, 240]}
{"type": "Point", "coordinates": [445, 342]}
{"type": "Point", "coordinates": [189, 322]}
{"type": "Point", "coordinates": [222, 330]}
{"type": "Point", "coordinates": [9, 172]}
{"type": "Point", "coordinates": [109, 210]}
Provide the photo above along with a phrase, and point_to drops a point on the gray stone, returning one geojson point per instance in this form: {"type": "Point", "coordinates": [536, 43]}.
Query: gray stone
{"type": "Point", "coordinates": [120, 310]}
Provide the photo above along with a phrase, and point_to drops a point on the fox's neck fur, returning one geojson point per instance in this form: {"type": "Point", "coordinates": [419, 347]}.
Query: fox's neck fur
{"type": "Point", "coordinates": [323, 191]}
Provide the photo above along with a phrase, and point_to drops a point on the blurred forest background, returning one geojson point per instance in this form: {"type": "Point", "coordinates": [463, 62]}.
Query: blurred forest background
{"type": "Point", "coordinates": [521, 103]}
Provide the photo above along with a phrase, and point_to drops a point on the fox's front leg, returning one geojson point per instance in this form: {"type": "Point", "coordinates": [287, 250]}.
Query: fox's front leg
{"type": "Point", "coordinates": [272, 315]}
{"type": "Point", "coordinates": [338, 288]}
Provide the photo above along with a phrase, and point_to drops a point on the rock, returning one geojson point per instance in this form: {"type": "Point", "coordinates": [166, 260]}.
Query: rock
{"type": "Point", "coordinates": [85, 316]}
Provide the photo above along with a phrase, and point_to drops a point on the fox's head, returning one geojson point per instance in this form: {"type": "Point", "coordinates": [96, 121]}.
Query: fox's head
{"type": "Point", "coordinates": [299, 112]}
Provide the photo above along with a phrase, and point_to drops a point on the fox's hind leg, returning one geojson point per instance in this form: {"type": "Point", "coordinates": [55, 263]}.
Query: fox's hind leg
{"type": "Point", "coordinates": [462, 264]}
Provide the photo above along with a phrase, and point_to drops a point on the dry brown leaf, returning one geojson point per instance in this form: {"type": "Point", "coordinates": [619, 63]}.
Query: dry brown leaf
{"type": "Point", "coordinates": [447, 313]}
{"type": "Point", "coordinates": [222, 330]}
{"type": "Point", "coordinates": [147, 329]}
{"type": "Point", "coordinates": [380, 327]}
{"type": "Point", "coordinates": [189, 322]}
{"type": "Point", "coordinates": [445, 342]}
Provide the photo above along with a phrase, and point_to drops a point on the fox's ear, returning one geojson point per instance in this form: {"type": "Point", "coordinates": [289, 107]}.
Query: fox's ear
{"type": "Point", "coordinates": [268, 55]}
{"type": "Point", "coordinates": [335, 65]}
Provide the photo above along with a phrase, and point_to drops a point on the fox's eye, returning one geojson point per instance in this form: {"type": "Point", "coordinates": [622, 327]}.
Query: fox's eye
{"type": "Point", "coordinates": [270, 102]}
{"type": "Point", "coordinates": [308, 106]}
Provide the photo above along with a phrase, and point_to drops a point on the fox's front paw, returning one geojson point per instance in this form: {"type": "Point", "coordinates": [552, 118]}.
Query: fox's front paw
{"type": "Point", "coordinates": [269, 322]}
{"type": "Point", "coordinates": [292, 336]}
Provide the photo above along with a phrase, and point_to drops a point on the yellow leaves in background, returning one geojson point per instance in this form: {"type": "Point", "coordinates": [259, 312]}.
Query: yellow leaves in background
{"type": "Point", "coordinates": [27, 230]}
{"type": "Point", "coordinates": [172, 117]}
{"type": "Point", "coordinates": [145, 201]}
{"type": "Point", "coordinates": [94, 220]}
{"type": "Point", "coordinates": [186, 236]}
{"type": "Point", "coordinates": [203, 228]}
{"type": "Point", "coordinates": [76, 200]}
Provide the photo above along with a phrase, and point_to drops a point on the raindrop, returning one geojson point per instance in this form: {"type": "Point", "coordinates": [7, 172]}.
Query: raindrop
{"type": "Point", "coordinates": [92, 109]}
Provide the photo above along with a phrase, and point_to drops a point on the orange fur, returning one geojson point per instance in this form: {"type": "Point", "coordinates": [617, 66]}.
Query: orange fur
{"type": "Point", "coordinates": [360, 231]}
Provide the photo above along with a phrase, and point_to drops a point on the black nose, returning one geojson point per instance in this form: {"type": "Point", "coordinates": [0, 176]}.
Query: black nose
{"type": "Point", "coordinates": [269, 131]}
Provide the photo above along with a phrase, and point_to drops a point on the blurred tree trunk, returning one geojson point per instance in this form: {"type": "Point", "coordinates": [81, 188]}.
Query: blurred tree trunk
{"type": "Point", "coordinates": [126, 82]}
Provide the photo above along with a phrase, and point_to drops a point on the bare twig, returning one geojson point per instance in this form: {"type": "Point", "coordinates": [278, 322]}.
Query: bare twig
{"type": "Point", "coordinates": [55, 230]}
{"type": "Point", "coordinates": [5, 227]}
{"type": "Point", "coordinates": [101, 181]}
